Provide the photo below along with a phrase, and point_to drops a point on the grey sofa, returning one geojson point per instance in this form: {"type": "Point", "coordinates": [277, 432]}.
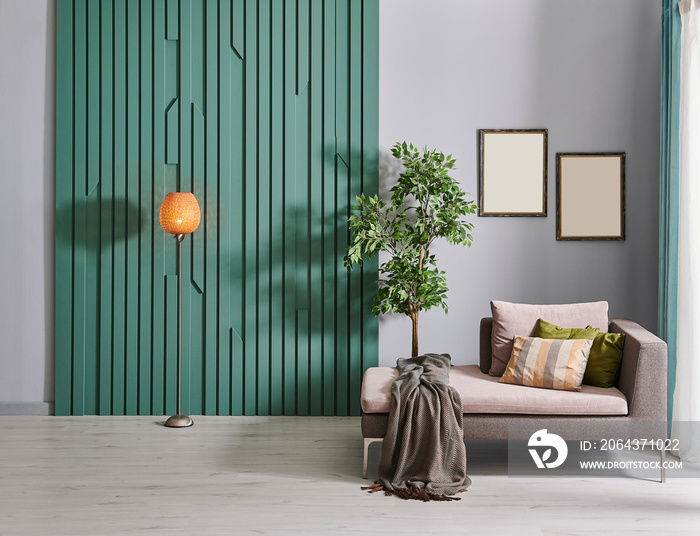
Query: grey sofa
{"type": "Point", "coordinates": [642, 381]}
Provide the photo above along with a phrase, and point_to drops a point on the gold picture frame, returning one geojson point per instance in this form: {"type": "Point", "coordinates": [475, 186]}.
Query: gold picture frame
{"type": "Point", "coordinates": [513, 172]}
{"type": "Point", "coordinates": [591, 196]}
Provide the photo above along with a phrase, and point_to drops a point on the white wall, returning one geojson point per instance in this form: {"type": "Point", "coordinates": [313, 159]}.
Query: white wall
{"type": "Point", "coordinates": [27, 80]}
{"type": "Point", "coordinates": [586, 70]}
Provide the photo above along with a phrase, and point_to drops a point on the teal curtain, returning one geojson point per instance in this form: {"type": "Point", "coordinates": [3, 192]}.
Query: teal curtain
{"type": "Point", "coordinates": [669, 181]}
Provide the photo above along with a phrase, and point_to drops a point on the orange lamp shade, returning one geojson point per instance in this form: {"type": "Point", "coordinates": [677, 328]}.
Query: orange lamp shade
{"type": "Point", "coordinates": [179, 213]}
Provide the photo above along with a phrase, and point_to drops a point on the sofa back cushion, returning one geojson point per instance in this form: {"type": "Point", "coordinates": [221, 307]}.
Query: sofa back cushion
{"type": "Point", "coordinates": [520, 320]}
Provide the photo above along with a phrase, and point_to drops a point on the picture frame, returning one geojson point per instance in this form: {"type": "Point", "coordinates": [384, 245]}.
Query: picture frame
{"type": "Point", "coordinates": [591, 196]}
{"type": "Point", "coordinates": [513, 172]}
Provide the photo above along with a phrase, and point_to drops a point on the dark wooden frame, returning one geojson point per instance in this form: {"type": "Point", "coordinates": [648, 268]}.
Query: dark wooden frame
{"type": "Point", "coordinates": [621, 155]}
{"type": "Point", "coordinates": [480, 185]}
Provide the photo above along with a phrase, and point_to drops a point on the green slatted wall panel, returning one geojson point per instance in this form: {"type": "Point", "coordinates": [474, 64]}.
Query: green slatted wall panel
{"type": "Point", "coordinates": [267, 110]}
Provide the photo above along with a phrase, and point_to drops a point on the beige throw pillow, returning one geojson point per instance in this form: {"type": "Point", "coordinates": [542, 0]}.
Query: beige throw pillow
{"type": "Point", "coordinates": [548, 363]}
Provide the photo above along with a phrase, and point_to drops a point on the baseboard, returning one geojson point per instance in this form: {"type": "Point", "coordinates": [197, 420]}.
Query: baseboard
{"type": "Point", "coordinates": [26, 408]}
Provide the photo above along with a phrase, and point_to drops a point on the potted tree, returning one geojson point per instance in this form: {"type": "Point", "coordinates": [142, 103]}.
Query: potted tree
{"type": "Point", "coordinates": [426, 204]}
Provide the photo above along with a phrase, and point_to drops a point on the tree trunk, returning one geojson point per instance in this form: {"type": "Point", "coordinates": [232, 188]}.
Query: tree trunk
{"type": "Point", "coordinates": [414, 347]}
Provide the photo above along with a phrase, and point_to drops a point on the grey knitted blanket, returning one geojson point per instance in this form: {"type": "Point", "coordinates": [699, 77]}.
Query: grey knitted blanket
{"type": "Point", "coordinates": [423, 453]}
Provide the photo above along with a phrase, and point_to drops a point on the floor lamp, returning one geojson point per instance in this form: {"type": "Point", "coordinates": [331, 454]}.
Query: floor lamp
{"type": "Point", "coordinates": [179, 216]}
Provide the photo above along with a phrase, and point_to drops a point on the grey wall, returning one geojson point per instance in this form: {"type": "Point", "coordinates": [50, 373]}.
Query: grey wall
{"type": "Point", "coordinates": [586, 70]}
{"type": "Point", "coordinates": [27, 74]}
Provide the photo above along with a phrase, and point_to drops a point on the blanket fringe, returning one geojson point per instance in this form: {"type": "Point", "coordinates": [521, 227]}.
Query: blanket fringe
{"type": "Point", "coordinates": [410, 493]}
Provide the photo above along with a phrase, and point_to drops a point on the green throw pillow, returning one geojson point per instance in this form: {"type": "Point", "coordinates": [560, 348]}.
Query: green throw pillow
{"type": "Point", "coordinates": [604, 360]}
{"type": "Point", "coordinates": [545, 330]}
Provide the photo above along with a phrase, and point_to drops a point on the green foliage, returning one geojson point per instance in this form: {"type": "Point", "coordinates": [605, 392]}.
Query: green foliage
{"type": "Point", "coordinates": [426, 204]}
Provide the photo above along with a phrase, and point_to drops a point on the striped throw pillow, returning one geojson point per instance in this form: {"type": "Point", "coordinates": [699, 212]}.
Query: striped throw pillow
{"type": "Point", "coordinates": [548, 363]}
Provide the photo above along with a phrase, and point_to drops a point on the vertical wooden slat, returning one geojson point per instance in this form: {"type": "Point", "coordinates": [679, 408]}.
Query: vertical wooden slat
{"type": "Point", "coordinates": [146, 201]}
{"type": "Point", "coordinates": [198, 240]}
{"type": "Point", "coordinates": [302, 45]}
{"type": "Point", "coordinates": [132, 211]}
{"type": "Point", "coordinates": [250, 183]}
{"type": "Point", "coordinates": [237, 14]}
{"type": "Point", "coordinates": [64, 202]}
{"type": "Point", "coordinates": [263, 238]}
{"type": "Point", "coordinates": [171, 342]}
{"type": "Point", "coordinates": [80, 206]}
{"type": "Point", "coordinates": [370, 172]}
{"type": "Point", "coordinates": [173, 124]}
{"type": "Point", "coordinates": [267, 111]}
{"type": "Point", "coordinates": [120, 216]}
{"type": "Point", "coordinates": [161, 99]}
{"type": "Point", "coordinates": [172, 19]}
{"type": "Point", "coordinates": [354, 52]}
{"type": "Point", "coordinates": [330, 262]}
{"type": "Point", "coordinates": [277, 209]}
{"type": "Point", "coordinates": [301, 207]}
{"type": "Point", "coordinates": [237, 390]}
{"type": "Point", "coordinates": [341, 203]}
{"type": "Point", "coordinates": [106, 188]}
{"type": "Point", "coordinates": [184, 184]}
{"type": "Point", "coordinates": [290, 221]}
{"type": "Point", "coordinates": [342, 290]}
{"type": "Point", "coordinates": [302, 352]}
{"type": "Point", "coordinates": [316, 238]}
{"type": "Point", "coordinates": [213, 334]}
{"type": "Point", "coordinates": [196, 284]}
{"type": "Point", "coordinates": [231, 201]}
{"type": "Point", "coordinates": [92, 210]}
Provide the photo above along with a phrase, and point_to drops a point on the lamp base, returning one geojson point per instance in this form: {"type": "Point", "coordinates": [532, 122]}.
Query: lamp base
{"type": "Point", "coordinates": [179, 421]}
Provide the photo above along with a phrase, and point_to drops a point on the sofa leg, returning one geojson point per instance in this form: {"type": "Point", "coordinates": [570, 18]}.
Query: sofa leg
{"type": "Point", "coordinates": [368, 442]}
{"type": "Point", "coordinates": [663, 468]}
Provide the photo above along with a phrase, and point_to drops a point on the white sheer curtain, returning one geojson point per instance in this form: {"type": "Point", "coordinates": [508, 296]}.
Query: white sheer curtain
{"type": "Point", "coordinates": [686, 398]}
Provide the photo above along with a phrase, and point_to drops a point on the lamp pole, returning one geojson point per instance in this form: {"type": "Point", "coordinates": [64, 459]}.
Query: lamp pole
{"type": "Point", "coordinates": [179, 420]}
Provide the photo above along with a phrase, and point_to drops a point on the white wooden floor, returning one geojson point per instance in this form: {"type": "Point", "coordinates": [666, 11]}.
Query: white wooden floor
{"type": "Point", "coordinates": [288, 475]}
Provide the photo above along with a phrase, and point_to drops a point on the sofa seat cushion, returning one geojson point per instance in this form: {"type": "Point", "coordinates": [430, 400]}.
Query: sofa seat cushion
{"type": "Point", "coordinates": [481, 393]}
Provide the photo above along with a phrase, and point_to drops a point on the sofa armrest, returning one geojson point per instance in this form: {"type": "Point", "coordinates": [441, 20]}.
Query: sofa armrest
{"type": "Point", "coordinates": [485, 355]}
{"type": "Point", "coordinates": [643, 370]}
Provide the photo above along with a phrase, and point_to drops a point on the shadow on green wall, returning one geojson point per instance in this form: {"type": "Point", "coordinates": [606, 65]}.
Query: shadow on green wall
{"type": "Point", "coordinates": [98, 224]}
